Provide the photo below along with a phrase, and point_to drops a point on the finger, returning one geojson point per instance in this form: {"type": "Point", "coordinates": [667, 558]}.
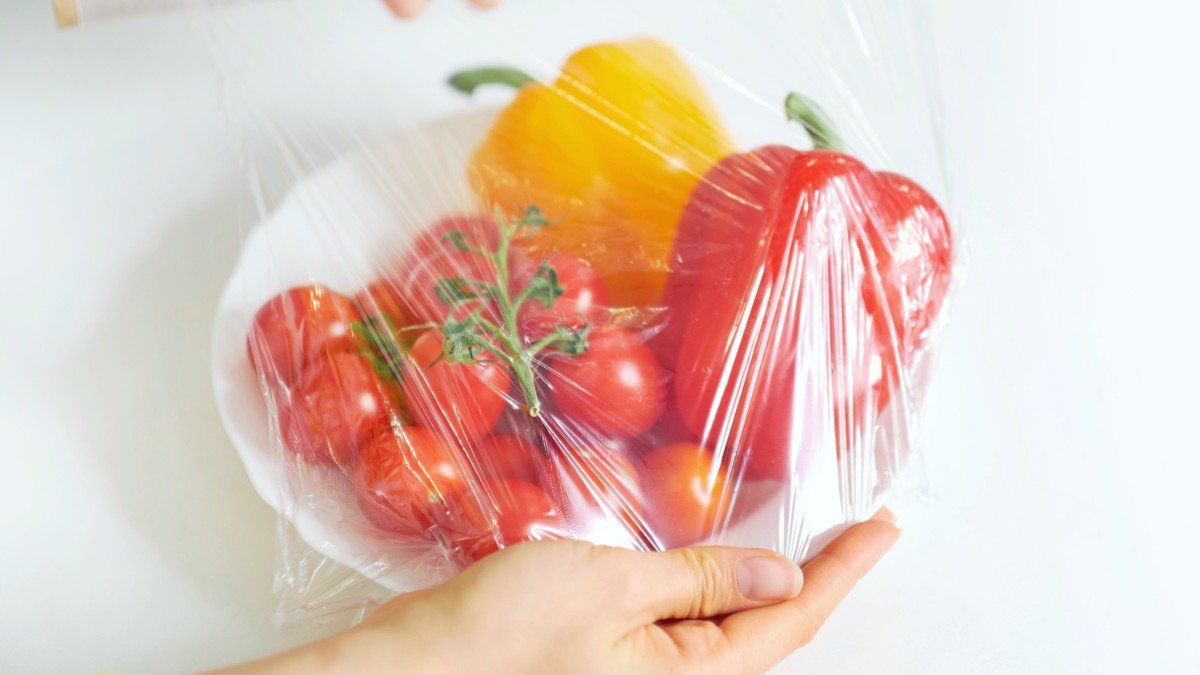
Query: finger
{"type": "Point", "coordinates": [766, 635]}
{"type": "Point", "coordinates": [706, 581]}
{"type": "Point", "coordinates": [485, 4]}
{"type": "Point", "coordinates": [395, 606]}
{"type": "Point", "coordinates": [885, 514]}
{"type": "Point", "coordinates": [406, 9]}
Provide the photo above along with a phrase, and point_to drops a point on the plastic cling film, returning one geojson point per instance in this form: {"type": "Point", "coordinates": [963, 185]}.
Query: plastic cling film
{"type": "Point", "coordinates": [636, 283]}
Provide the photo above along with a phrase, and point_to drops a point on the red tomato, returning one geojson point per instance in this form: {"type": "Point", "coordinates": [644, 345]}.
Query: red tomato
{"type": "Point", "coordinates": [600, 494]}
{"type": "Point", "coordinates": [523, 512]}
{"type": "Point", "coordinates": [418, 278]}
{"type": "Point", "coordinates": [461, 401]}
{"type": "Point", "coordinates": [478, 229]}
{"type": "Point", "coordinates": [409, 480]}
{"type": "Point", "coordinates": [295, 327]}
{"type": "Point", "coordinates": [509, 456]}
{"type": "Point", "coordinates": [383, 298]}
{"type": "Point", "coordinates": [584, 300]}
{"type": "Point", "coordinates": [686, 493]}
{"type": "Point", "coordinates": [616, 388]}
{"type": "Point", "coordinates": [337, 405]}
{"type": "Point", "coordinates": [431, 259]}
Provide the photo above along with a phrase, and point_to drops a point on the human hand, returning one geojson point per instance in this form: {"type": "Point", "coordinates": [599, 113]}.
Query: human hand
{"type": "Point", "coordinates": [567, 607]}
{"type": "Point", "coordinates": [407, 9]}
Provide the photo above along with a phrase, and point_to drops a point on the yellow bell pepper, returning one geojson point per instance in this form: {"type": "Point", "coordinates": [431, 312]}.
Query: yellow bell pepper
{"type": "Point", "coordinates": [609, 152]}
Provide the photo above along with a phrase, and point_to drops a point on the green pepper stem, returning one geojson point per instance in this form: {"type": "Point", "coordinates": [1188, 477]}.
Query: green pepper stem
{"type": "Point", "coordinates": [816, 123]}
{"type": "Point", "coordinates": [467, 81]}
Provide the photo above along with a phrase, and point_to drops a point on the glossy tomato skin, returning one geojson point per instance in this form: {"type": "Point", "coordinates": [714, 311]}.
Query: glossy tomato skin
{"type": "Point", "coordinates": [420, 276]}
{"type": "Point", "coordinates": [584, 301]}
{"type": "Point", "coordinates": [409, 480]}
{"type": "Point", "coordinates": [406, 290]}
{"type": "Point", "coordinates": [298, 326]}
{"type": "Point", "coordinates": [522, 512]}
{"type": "Point", "coordinates": [478, 230]}
{"type": "Point", "coordinates": [686, 493]}
{"type": "Point", "coordinates": [338, 405]}
{"type": "Point", "coordinates": [385, 299]}
{"type": "Point", "coordinates": [508, 456]}
{"type": "Point", "coordinates": [460, 401]}
{"type": "Point", "coordinates": [599, 492]}
{"type": "Point", "coordinates": [615, 389]}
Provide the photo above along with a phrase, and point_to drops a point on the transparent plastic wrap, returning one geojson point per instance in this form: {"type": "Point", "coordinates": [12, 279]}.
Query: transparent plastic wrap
{"type": "Point", "coordinates": [671, 276]}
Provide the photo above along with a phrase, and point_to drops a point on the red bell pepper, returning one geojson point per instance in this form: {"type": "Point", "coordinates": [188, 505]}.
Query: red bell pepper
{"type": "Point", "coordinates": [802, 283]}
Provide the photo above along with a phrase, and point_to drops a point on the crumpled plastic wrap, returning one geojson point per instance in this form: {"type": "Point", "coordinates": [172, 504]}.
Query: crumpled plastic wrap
{"type": "Point", "coordinates": [664, 276]}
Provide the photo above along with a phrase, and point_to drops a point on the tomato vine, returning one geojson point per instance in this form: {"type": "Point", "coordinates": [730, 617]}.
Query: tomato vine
{"type": "Point", "coordinates": [476, 336]}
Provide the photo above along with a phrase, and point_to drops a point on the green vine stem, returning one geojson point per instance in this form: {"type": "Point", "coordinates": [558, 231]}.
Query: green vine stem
{"type": "Point", "coordinates": [475, 337]}
{"type": "Point", "coordinates": [814, 120]}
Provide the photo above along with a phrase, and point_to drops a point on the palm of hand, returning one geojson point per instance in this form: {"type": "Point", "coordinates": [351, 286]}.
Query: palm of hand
{"type": "Point", "coordinates": [574, 607]}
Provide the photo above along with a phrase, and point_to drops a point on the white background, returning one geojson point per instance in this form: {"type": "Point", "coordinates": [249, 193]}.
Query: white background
{"type": "Point", "coordinates": [1059, 431]}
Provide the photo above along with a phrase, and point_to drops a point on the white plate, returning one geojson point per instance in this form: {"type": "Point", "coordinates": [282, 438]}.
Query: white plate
{"type": "Point", "coordinates": [334, 228]}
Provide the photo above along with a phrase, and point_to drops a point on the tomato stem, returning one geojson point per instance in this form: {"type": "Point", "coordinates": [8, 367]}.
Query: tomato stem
{"type": "Point", "coordinates": [523, 364]}
{"type": "Point", "coordinates": [816, 123]}
{"type": "Point", "coordinates": [465, 339]}
{"type": "Point", "coordinates": [467, 81]}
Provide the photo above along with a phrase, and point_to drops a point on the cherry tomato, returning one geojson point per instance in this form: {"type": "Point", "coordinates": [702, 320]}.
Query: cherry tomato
{"type": "Point", "coordinates": [417, 279]}
{"type": "Point", "coordinates": [408, 480]}
{"type": "Point", "coordinates": [478, 230]}
{"type": "Point", "coordinates": [461, 401]}
{"type": "Point", "coordinates": [432, 259]}
{"type": "Point", "coordinates": [616, 388]}
{"type": "Point", "coordinates": [599, 493]}
{"type": "Point", "coordinates": [667, 430]}
{"type": "Point", "coordinates": [523, 512]}
{"type": "Point", "coordinates": [686, 493]}
{"type": "Point", "coordinates": [584, 300]}
{"type": "Point", "coordinates": [295, 327]}
{"type": "Point", "coordinates": [338, 404]}
{"type": "Point", "coordinates": [384, 298]}
{"type": "Point", "coordinates": [509, 456]}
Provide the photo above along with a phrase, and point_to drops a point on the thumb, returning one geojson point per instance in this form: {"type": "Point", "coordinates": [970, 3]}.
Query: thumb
{"type": "Point", "coordinates": [706, 581]}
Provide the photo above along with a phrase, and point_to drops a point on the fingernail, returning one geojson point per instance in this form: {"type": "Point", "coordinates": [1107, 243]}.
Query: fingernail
{"type": "Point", "coordinates": [767, 579]}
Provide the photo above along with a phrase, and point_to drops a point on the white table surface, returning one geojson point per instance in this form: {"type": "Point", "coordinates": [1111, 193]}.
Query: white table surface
{"type": "Point", "coordinates": [1059, 431]}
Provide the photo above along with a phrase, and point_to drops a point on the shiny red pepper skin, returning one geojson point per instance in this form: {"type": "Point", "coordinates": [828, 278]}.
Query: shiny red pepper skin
{"type": "Point", "coordinates": [799, 281]}
{"type": "Point", "coordinates": [916, 239]}
{"type": "Point", "coordinates": [736, 192]}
